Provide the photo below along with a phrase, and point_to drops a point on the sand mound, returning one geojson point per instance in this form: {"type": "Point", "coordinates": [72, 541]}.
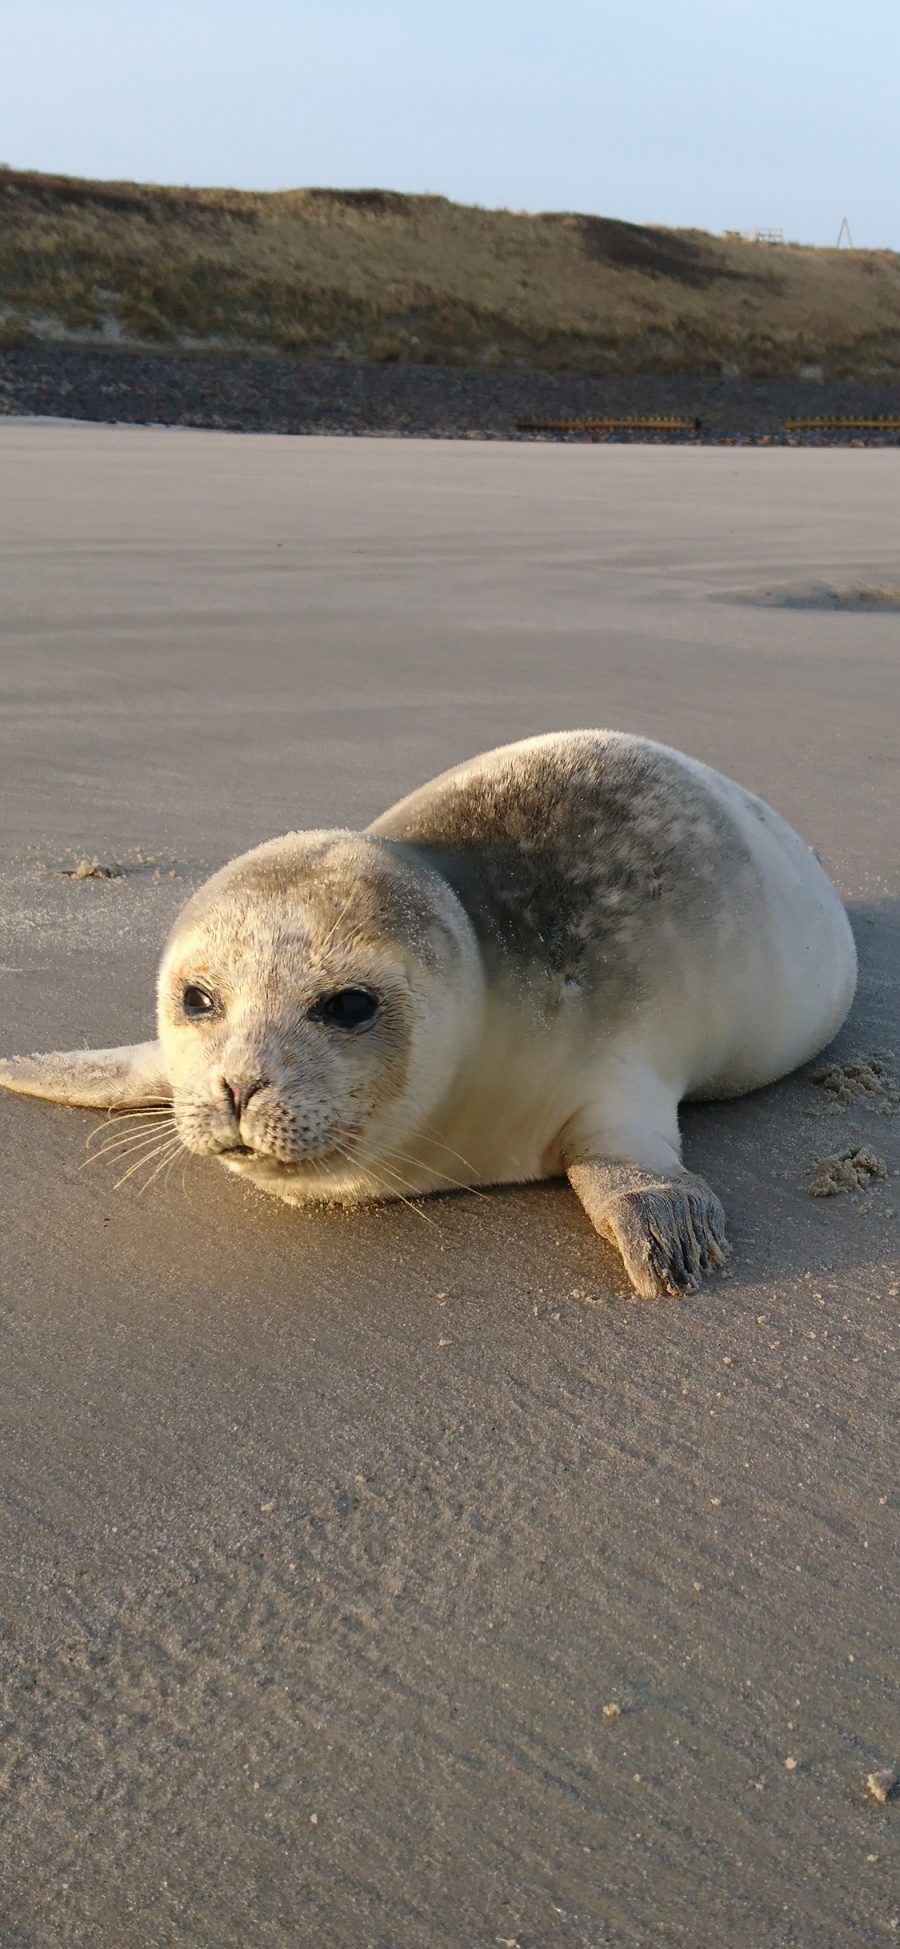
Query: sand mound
{"type": "Point", "coordinates": [846, 1170]}
{"type": "Point", "coordinates": [867, 1080]}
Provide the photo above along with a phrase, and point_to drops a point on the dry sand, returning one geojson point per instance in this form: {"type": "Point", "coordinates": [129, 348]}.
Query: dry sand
{"type": "Point", "coordinates": [330, 1543]}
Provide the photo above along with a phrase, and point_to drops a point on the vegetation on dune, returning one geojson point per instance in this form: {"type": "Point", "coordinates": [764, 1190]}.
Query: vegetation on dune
{"type": "Point", "coordinates": [369, 275]}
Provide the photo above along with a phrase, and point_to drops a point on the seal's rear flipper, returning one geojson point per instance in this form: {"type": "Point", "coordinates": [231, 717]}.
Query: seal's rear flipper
{"type": "Point", "coordinates": [100, 1079]}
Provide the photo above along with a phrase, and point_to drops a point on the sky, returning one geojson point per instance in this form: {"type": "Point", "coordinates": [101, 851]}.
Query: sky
{"type": "Point", "coordinates": [719, 114]}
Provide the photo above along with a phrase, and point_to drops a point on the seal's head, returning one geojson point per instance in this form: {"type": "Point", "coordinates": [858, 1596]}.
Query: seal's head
{"type": "Point", "coordinates": [315, 1000]}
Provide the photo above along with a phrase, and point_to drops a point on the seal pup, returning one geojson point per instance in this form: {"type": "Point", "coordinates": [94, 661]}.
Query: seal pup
{"type": "Point", "coordinates": [517, 972]}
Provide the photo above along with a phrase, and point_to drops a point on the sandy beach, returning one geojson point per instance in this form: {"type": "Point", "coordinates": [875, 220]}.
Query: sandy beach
{"type": "Point", "coordinates": [395, 1581]}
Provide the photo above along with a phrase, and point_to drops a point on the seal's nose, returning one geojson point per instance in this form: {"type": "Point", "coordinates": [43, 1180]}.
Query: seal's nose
{"type": "Point", "coordinates": [239, 1094]}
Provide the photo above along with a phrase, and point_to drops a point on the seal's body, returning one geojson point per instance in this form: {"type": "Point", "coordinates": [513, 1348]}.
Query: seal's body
{"type": "Point", "coordinates": [518, 971]}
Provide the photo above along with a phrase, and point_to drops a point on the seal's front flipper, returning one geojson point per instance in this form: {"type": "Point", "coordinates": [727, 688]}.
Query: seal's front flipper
{"type": "Point", "coordinates": [670, 1231]}
{"type": "Point", "coordinates": [100, 1079]}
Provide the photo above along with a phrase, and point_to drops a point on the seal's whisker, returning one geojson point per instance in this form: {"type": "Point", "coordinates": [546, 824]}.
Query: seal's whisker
{"type": "Point", "coordinates": [115, 1151]}
{"type": "Point", "coordinates": [143, 1154]}
{"type": "Point", "coordinates": [121, 1112]}
{"type": "Point", "coordinates": [123, 1143]}
{"type": "Point", "coordinates": [344, 910]}
{"type": "Point", "coordinates": [388, 1191]}
{"type": "Point", "coordinates": [172, 1160]}
{"type": "Point", "coordinates": [166, 1162]}
{"type": "Point", "coordinates": [141, 1162]}
{"type": "Point", "coordinates": [140, 1103]}
{"type": "Point", "coordinates": [374, 1172]}
{"type": "Point", "coordinates": [427, 1131]}
{"type": "Point", "coordinates": [118, 1143]}
{"type": "Point", "coordinates": [148, 1117]}
{"type": "Point", "coordinates": [136, 1116]}
{"type": "Point", "coordinates": [164, 1158]}
{"type": "Point", "coordinates": [454, 1184]}
{"type": "Point", "coordinates": [142, 1129]}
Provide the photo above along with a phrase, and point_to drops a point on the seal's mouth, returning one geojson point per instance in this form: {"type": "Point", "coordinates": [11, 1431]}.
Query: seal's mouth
{"type": "Point", "coordinates": [238, 1154]}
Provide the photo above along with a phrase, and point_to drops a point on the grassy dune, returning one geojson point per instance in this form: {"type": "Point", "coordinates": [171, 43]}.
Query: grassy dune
{"type": "Point", "coordinates": [371, 275]}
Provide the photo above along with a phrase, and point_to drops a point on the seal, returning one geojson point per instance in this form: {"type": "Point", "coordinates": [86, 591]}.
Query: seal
{"type": "Point", "coordinates": [518, 972]}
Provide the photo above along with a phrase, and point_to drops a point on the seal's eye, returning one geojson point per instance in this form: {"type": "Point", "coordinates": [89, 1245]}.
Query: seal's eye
{"type": "Point", "coordinates": [197, 1002]}
{"type": "Point", "coordinates": [348, 1008]}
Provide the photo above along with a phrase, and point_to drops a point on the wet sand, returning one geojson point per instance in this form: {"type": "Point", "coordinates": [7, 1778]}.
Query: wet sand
{"type": "Point", "coordinates": [327, 1541]}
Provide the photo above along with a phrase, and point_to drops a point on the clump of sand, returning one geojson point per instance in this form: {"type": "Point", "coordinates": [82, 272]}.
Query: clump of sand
{"type": "Point", "coordinates": [846, 1170]}
{"type": "Point", "coordinates": [882, 1785]}
{"type": "Point", "coordinates": [92, 869]}
{"type": "Point", "coordinates": [863, 1077]}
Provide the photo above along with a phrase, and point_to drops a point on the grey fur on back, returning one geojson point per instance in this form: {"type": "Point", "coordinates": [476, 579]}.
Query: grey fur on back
{"type": "Point", "coordinates": [564, 854]}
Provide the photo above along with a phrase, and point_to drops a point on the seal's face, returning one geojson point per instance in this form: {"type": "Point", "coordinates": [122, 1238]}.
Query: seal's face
{"type": "Point", "coordinates": [311, 1009]}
